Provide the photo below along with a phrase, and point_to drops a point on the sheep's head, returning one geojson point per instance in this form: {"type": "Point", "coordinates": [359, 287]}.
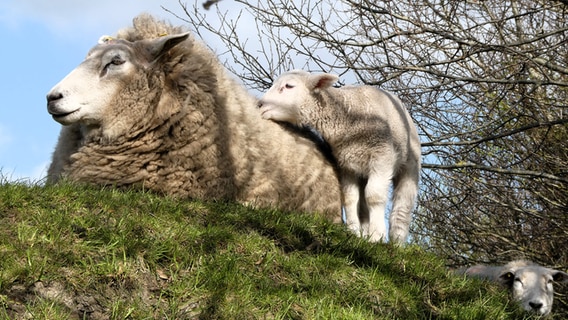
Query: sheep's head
{"type": "Point", "coordinates": [291, 99]}
{"type": "Point", "coordinates": [532, 285]}
{"type": "Point", "coordinates": [110, 74]}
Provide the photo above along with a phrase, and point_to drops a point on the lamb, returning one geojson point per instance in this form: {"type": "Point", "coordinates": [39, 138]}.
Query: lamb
{"type": "Point", "coordinates": [153, 108]}
{"type": "Point", "coordinates": [372, 137]}
{"type": "Point", "coordinates": [529, 283]}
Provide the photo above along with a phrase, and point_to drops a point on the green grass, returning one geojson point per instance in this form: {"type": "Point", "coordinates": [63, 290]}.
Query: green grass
{"type": "Point", "coordinates": [73, 252]}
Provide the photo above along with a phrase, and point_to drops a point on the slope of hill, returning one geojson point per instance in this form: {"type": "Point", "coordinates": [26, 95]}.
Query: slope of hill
{"type": "Point", "coordinates": [73, 252]}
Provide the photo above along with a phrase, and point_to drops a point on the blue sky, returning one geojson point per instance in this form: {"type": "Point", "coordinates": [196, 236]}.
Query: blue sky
{"type": "Point", "coordinates": [42, 41]}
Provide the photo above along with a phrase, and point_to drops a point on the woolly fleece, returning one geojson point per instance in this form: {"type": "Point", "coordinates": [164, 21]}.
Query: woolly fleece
{"type": "Point", "coordinates": [185, 128]}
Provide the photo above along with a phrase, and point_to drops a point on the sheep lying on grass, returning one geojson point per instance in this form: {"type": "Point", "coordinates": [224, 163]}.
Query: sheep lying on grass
{"type": "Point", "coordinates": [372, 137]}
{"type": "Point", "coordinates": [529, 283]}
{"type": "Point", "coordinates": [161, 113]}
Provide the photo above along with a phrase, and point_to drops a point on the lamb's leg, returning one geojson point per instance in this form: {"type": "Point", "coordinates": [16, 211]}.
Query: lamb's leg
{"type": "Point", "coordinates": [404, 196]}
{"type": "Point", "coordinates": [350, 190]}
{"type": "Point", "coordinates": [363, 210]}
{"type": "Point", "coordinates": [376, 196]}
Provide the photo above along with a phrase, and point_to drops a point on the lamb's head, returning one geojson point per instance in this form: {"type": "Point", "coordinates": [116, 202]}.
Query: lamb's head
{"type": "Point", "coordinates": [111, 76]}
{"type": "Point", "coordinates": [291, 97]}
{"type": "Point", "coordinates": [531, 285]}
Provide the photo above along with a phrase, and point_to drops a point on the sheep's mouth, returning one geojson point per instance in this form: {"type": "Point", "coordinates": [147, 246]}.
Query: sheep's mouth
{"type": "Point", "coordinates": [57, 116]}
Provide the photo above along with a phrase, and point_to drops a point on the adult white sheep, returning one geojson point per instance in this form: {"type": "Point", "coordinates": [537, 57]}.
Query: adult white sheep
{"type": "Point", "coordinates": [372, 137]}
{"type": "Point", "coordinates": [529, 283]}
{"type": "Point", "coordinates": [161, 113]}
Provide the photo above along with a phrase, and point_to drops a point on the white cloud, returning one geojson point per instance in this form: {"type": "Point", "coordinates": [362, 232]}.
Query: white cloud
{"type": "Point", "coordinates": [70, 18]}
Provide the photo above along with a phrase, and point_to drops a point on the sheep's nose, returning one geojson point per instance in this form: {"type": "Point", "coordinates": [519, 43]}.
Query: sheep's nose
{"type": "Point", "coordinates": [54, 96]}
{"type": "Point", "coordinates": [259, 105]}
{"type": "Point", "coordinates": [535, 305]}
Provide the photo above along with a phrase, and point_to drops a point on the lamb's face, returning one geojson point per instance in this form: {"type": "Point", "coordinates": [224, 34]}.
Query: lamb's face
{"type": "Point", "coordinates": [83, 94]}
{"type": "Point", "coordinates": [285, 99]}
{"type": "Point", "coordinates": [532, 286]}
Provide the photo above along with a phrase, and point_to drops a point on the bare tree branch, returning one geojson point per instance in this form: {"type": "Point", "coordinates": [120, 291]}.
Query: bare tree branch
{"type": "Point", "coordinates": [485, 81]}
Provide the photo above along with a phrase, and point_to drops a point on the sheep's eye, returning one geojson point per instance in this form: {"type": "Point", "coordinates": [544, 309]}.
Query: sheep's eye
{"type": "Point", "coordinates": [117, 60]}
{"type": "Point", "coordinates": [289, 86]}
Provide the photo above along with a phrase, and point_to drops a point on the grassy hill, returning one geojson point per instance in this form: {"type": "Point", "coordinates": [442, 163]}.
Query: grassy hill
{"type": "Point", "coordinates": [72, 252]}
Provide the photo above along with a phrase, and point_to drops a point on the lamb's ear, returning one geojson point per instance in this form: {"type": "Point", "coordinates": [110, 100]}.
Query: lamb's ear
{"type": "Point", "coordinates": [321, 81]}
{"type": "Point", "coordinates": [559, 276]}
{"type": "Point", "coordinates": [157, 47]}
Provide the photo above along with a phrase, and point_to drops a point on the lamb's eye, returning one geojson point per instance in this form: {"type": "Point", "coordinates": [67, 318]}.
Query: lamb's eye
{"type": "Point", "coordinates": [288, 86]}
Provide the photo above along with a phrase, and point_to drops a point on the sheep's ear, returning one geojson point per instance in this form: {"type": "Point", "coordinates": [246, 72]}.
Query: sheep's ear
{"type": "Point", "coordinates": [157, 47]}
{"type": "Point", "coordinates": [479, 271]}
{"type": "Point", "coordinates": [559, 276]}
{"type": "Point", "coordinates": [321, 81]}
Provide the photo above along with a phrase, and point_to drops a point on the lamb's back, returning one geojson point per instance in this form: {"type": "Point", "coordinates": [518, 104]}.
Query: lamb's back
{"type": "Point", "coordinates": [376, 115]}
